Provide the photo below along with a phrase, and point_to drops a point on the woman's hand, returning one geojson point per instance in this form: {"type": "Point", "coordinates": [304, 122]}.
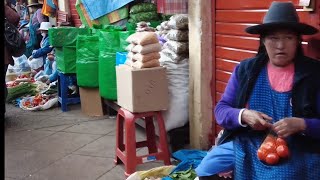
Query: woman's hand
{"type": "Point", "coordinates": [256, 120]}
{"type": "Point", "coordinates": [288, 126]}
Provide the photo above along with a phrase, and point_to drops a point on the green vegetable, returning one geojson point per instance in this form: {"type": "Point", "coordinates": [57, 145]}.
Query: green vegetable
{"type": "Point", "coordinates": [21, 90]}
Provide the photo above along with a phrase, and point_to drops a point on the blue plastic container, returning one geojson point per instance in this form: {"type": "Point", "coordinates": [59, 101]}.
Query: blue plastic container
{"type": "Point", "coordinates": [121, 58]}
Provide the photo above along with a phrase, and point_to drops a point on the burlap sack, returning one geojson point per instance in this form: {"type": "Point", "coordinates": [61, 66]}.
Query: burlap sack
{"type": "Point", "coordinates": [146, 57]}
{"type": "Point", "coordinates": [150, 48]}
{"type": "Point", "coordinates": [148, 64]}
{"type": "Point", "coordinates": [143, 38]}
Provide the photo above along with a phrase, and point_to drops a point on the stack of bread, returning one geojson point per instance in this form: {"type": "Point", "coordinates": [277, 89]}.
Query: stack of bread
{"type": "Point", "coordinates": [143, 50]}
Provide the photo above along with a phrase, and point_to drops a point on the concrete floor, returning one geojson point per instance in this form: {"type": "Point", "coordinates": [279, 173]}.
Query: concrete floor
{"type": "Point", "coordinates": [56, 145]}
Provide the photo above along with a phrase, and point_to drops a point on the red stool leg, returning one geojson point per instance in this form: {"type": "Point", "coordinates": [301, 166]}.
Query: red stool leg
{"type": "Point", "coordinates": [163, 140]}
{"type": "Point", "coordinates": [151, 135]}
{"type": "Point", "coordinates": [130, 145]}
{"type": "Point", "coordinates": [119, 136]}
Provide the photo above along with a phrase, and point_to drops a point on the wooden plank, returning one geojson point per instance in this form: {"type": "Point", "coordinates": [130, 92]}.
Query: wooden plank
{"type": "Point", "coordinates": [247, 4]}
{"type": "Point", "coordinates": [250, 16]}
{"type": "Point", "coordinates": [248, 43]}
{"type": "Point", "coordinates": [220, 86]}
{"type": "Point", "coordinates": [225, 65]}
{"type": "Point", "coordinates": [233, 29]}
{"type": "Point", "coordinates": [233, 54]}
{"type": "Point", "coordinates": [222, 75]}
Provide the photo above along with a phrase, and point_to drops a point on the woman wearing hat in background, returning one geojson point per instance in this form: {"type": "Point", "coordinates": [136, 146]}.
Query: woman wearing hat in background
{"type": "Point", "coordinates": [44, 44]}
{"type": "Point", "coordinates": [276, 91]}
{"type": "Point", "coordinates": [36, 18]}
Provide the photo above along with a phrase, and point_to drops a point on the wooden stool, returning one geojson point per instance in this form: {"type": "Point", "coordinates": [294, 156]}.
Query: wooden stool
{"type": "Point", "coordinates": [127, 152]}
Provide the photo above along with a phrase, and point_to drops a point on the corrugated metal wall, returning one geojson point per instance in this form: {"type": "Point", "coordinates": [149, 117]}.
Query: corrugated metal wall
{"type": "Point", "coordinates": [232, 44]}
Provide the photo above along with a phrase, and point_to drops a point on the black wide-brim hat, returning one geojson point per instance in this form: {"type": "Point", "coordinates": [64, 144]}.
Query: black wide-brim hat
{"type": "Point", "coordinates": [282, 15]}
{"type": "Point", "coordinates": [34, 3]}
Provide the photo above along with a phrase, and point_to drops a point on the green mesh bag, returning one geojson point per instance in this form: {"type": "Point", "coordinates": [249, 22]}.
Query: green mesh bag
{"type": "Point", "coordinates": [109, 41]}
{"type": "Point", "coordinates": [87, 48]}
{"type": "Point", "coordinates": [66, 36]}
{"type": "Point", "coordinates": [87, 73]}
{"type": "Point", "coordinates": [107, 76]}
{"type": "Point", "coordinates": [66, 59]}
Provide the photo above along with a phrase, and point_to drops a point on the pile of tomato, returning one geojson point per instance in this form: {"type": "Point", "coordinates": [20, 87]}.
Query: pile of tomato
{"type": "Point", "coordinates": [36, 101]}
{"type": "Point", "coordinates": [272, 150]}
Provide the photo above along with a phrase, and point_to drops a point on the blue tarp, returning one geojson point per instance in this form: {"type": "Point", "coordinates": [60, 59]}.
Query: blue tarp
{"type": "Point", "coordinates": [100, 8]}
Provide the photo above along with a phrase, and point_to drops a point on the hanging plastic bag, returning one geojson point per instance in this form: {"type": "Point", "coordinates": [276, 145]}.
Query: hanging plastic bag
{"type": "Point", "coordinates": [35, 63]}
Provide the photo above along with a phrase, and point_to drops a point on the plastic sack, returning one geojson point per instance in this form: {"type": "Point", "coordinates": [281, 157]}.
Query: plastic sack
{"type": "Point", "coordinates": [143, 7]}
{"type": "Point", "coordinates": [109, 41]}
{"type": "Point", "coordinates": [50, 103]}
{"type": "Point", "coordinates": [21, 62]}
{"type": "Point", "coordinates": [36, 63]}
{"type": "Point", "coordinates": [172, 56]}
{"type": "Point", "coordinates": [107, 75]}
{"type": "Point", "coordinates": [88, 73]}
{"type": "Point", "coordinates": [178, 35]}
{"type": "Point", "coordinates": [87, 48]}
{"type": "Point", "coordinates": [177, 47]}
{"type": "Point", "coordinates": [146, 49]}
{"type": "Point", "coordinates": [178, 86]}
{"type": "Point", "coordinates": [144, 16]}
{"type": "Point", "coordinates": [143, 38]}
{"type": "Point", "coordinates": [178, 21]}
{"type": "Point", "coordinates": [157, 172]}
{"type": "Point", "coordinates": [66, 36]}
{"type": "Point", "coordinates": [146, 57]}
{"type": "Point", "coordinates": [123, 35]}
{"type": "Point", "coordinates": [66, 59]}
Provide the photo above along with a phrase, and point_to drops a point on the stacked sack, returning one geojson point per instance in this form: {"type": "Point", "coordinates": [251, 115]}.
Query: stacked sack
{"type": "Point", "coordinates": [174, 57]}
{"type": "Point", "coordinates": [163, 29]}
{"type": "Point", "coordinates": [144, 26]}
{"type": "Point", "coordinates": [177, 46]}
{"type": "Point", "coordinates": [143, 50]}
{"type": "Point", "coordinates": [143, 12]}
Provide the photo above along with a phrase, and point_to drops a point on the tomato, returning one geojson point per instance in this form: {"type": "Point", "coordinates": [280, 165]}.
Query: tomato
{"type": "Point", "coordinates": [270, 138]}
{"type": "Point", "coordinates": [283, 151]}
{"type": "Point", "coordinates": [262, 153]}
{"type": "Point", "coordinates": [281, 141]}
{"type": "Point", "coordinates": [272, 158]}
{"type": "Point", "coordinates": [269, 147]}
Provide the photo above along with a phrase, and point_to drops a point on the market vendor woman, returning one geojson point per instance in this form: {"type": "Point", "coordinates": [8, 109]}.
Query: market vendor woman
{"type": "Point", "coordinates": [278, 90]}
{"type": "Point", "coordinates": [45, 47]}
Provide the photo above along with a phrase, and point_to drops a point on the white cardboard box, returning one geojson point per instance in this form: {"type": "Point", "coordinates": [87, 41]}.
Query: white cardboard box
{"type": "Point", "coordinates": [142, 90]}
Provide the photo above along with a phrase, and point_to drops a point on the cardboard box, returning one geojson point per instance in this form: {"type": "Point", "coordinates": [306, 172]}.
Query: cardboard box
{"type": "Point", "coordinates": [91, 102]}
{"type": "Point", "coordinates": [142, 90]}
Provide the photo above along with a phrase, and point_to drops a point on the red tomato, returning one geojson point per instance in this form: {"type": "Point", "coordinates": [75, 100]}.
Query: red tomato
{"type": "Point", "coordinates": [283, 151]}
{"type": "Point", "coordinates": [272, 158]}
{"type": "Point", "coordinates": [269, 147]}
{"type": "Point", "coordinates": [262, 153]}
{"type": "Point", "coordinates": [270, 138]}
{"type": "Point", "coordinates": [281, 141]}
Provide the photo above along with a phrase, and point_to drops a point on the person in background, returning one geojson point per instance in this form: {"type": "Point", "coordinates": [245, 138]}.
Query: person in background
{"type": "Point", "coordinates": [13, 17]}
{"type": "Point", "coordinates": [50, 68]}
{"type": "Point", "coordinates": [44, 44]}
{"type": "Point", "coordinates": [36, 18]}
{"type": "Point", "coordinates": [22, 10]}
{"type": "Point", "coordinates": [276, 91]}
